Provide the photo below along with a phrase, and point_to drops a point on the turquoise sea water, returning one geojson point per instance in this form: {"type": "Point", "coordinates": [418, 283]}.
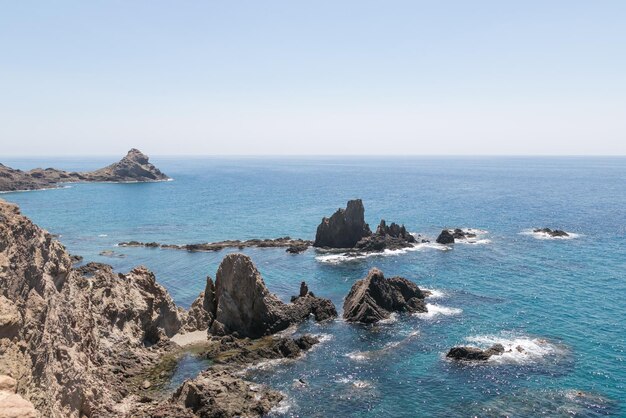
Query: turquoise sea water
{"type": "Point", "coordinates": [561, 301]}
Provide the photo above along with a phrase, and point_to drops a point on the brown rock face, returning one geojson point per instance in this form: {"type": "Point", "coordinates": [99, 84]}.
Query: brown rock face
{"type": "Point", "coordinates": [133, 167]}
{"type": "Point", "coordinates": [13, 405]}
{"type": "Point", "coordinates": [65, 332]}
{"type": "Point", "coordinates": [202, 311]}
{"type": "Point", "coordinates": [244, 305]}
{"type": "Point", "coordinates": [374, 298]}
{"type": "Point", "coordinates": [344, 228]}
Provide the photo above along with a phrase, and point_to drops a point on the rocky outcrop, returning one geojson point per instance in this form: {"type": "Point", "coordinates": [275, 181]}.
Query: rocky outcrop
{"type": "Point", "coordinates": [202, 311]}
{"type": "Point", "coordinates": [555, 233]}
{"type": "Point", "coordinates": [449, 236]}
{"type": "Point", "coordinates": [134, 167]}
{"type": "Point", "coordinates": [474, 354]}
{"type": "Point", "coordinates": [293, 245]}
{"type": "Point", "coordinates": [244, 305]}
{"type": "Point", "coordinates": [374, 298]}
{"type": "Point", "coordinates": [344, 228]}
{"type": "Point", "coordinates": [66, 331]}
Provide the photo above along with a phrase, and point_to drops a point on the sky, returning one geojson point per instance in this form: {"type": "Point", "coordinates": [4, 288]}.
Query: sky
{"type": "Point", "coordinates": [351, 77]}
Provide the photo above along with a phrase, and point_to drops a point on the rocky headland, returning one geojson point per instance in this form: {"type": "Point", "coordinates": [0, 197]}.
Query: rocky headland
{"type": "Point", "coordinates": [64, 331]}
{"type": "Point", "coordinates": [346, 229]}
{"type": "Point", "coordinates": [134, 167]}
{"type": "Point", "coordinates": [292, 245]}
{"type": "Point", "coordinates": [375, 298]}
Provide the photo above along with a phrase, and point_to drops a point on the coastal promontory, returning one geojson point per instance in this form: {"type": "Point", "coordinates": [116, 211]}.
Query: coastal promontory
{"type": "Point", "coordinates": [134, 167]}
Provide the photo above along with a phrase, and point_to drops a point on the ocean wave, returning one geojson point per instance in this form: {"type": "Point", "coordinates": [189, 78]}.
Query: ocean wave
{"type": "Point", "coordinates": [544, 235]}
{"type": "Point", "coordinates": [519, 349]}
{"type": "Point", "coordinates": [358, 384]}
{"type": "Point", "coordinates": [437, 310]}
{"type": "Point", "coordinates": [477, 240]}
{"type": "Point", "coordinates": [102, 235]}
{"type": "Point", "coordinates": [336, 258]}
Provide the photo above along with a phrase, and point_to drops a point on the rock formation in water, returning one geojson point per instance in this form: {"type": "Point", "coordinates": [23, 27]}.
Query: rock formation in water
{"type": "Point", "coordinates": [555, 233]}
{"type": "Point", "coordinates": [346, 229]}
{"type": "Point", "coordinates": [134, 167]}
{"type": "Point", "coordinates": [244, 305]}
{"type": "Point", "coordinates": [293, 245]}
{"type": "Point", "coordinates": [474, 354]}
{"type": "Point", "coordinates": [374, 298]}
{"type": "Point", "coordinates": [448, 236]}
{"type": "Point", "coordinates": [75, 340]}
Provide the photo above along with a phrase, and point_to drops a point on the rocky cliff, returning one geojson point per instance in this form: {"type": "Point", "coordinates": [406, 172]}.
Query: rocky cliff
{"type": "Point", "coordinates": [134, 167]}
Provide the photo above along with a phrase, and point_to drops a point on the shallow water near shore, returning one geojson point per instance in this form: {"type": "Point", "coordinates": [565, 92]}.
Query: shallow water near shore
{"type": "Point", "coordinates": [560, 300]}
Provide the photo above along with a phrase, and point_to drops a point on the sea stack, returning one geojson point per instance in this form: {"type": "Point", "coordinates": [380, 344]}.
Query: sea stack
{"type": "Point", "coordinates": [344, 228]}
{"type": "Point", "coordinates": [374, 298]}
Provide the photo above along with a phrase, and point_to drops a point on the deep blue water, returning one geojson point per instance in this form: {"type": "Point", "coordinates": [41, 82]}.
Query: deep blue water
{"type": "Point", "coordinates": [562, 301]}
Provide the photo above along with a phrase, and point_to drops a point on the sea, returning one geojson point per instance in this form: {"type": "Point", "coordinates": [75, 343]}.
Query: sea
{"type": "Point", "coordinates": [557, 305]}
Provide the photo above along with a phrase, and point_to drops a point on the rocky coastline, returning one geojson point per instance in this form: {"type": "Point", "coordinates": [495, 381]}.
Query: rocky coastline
{"type": "Point", "coordinates": [65, 330]}
{"type": "Point", "coordinates": [134, 167]}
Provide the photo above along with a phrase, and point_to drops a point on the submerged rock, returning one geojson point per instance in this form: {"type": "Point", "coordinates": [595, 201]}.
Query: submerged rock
{"type": "Point", "coordinates": [552, 232]}
{"type": "Point", "coordinates": [134, 167]}
{"type": "Point", "coordinates": [293, 245]}
{"type": "Point", "coordinates": [475, 354]}
{"type": "Point", "coordinates": [374, 298]}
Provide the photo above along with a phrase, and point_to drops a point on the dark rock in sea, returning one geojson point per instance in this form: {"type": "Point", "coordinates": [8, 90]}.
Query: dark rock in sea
{"type": "Point", "coordinates": [347, 229]}
{"type": "Point", "coordinates": [344, 228]}
{"type": "Point", "coordinates": [552, 232]}
{"type": "Point", "coordinates": [242, 303]}
{"type": "Point", "coordinates": [475, 354]}
{"type": "Point", "coordinates": [134, 167]}
{"type": "Point", "coordinates": [293, 245]}
{"type": "Point", "coordinates": [445, 237]}
{"type": "Point", "coordinates": [76, 258]}
{"type": "Point", "coordinates": [374, 298]}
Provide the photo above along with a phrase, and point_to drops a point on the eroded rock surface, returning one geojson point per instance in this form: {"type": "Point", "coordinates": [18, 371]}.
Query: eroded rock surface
{"type": "Point", "coordinates": [374, 298]}
{"type": "Point", "coordinates": [245, 306]}
{"type": "Point", "coordinates": [133, 167]}
{"type": "Point", "coordinates": [293, 245]}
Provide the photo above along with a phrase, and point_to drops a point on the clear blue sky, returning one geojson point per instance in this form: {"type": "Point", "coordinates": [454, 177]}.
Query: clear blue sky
{"type": "Point", "coordinates": [314, 77]}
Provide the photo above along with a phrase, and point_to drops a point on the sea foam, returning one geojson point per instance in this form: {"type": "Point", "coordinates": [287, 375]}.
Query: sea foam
{"type": "Point", "coordinates": [518, 349]}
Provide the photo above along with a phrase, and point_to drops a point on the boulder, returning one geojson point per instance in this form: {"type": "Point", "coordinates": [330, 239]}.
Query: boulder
{"type": "Point", "coordinates": [344, 228]}
{"type": "Point", "coordinates": [474, 354]}
{"type": "Point", "coordinates": [374, 298]}
{"type": "Point", "coordinates": [446, 237]}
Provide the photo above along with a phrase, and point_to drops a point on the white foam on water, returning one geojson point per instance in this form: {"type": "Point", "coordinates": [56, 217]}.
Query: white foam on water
{"type": "Point", "coordinates": [347, 257]}
{"type": "Point", "coordinates": [103, 235]}
{"type": "Point", "coordinates": [435, 293]}
{"type": "Point", "coordinates": [392, 318]}
{"type": "Point", "coordinates": [545, 235]}
{"type": "Point", "coordinates": [359, 384]}
{"type": "Point", "coordinates": [437, 310]}
{"type": "Point", "coordinates": [477, 240]}
{"type": "Point", "coordinates": [518, 349]}
{"type": "Point", "coordinates": [283, 406]}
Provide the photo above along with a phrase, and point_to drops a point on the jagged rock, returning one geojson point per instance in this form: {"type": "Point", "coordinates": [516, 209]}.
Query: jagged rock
{"type": "Point", "coordinates": [296, 249]}
{"type": "Point", "coordinates": [344, 228]}
{"type": "Point", "coordinates": [446, 237]}
{"type": "Point", "coordinates": [304, 289]}
{"type": "Point", "coordinates": [374, 298]}
{"type": "Point", "coordinates": [474, 354]}
{"type": "Point", "coordinates": [552, 232]}
{"type": "Point", "coordinates": [220, 393]}
{"type": "Point", "coordinates": [78, 328]}
{"type": "Point", "coordinates": [243, 304]}
{"type": "Point", "coordinates": [133, 167]}
{"type": "Point", "coordinates": [202, 310]}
